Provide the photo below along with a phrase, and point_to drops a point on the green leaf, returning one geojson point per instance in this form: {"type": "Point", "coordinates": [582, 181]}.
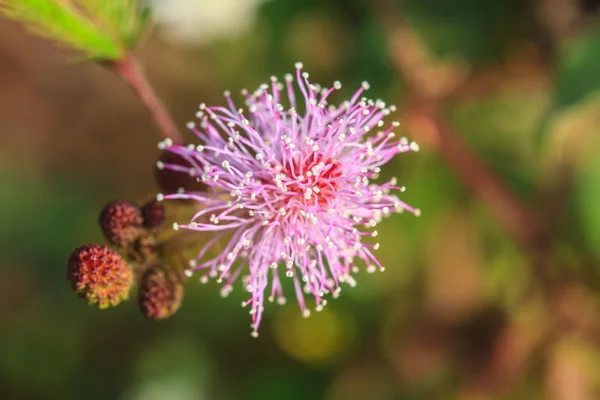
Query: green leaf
{"type": "Point", "coordinates": [100, 29]}
{"type": "Point", "coordinates": [576, 80]}
{"type": "Point", "coordinates": [577, 76]}
{"type": "Point", "coordinates": [587, 193]}
{"type": "Point", "coordinates": [143, 21]}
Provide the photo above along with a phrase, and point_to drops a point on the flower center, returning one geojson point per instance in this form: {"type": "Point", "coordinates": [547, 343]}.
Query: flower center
{"type": "Point", "coordinates": [314, 177]}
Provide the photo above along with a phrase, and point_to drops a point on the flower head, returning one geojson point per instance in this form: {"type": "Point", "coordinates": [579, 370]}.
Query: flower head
{"type": "Point", "coordinates": [120, 221]}
{"type": "Point", "coordinates": [170, 181]}
{"type": "Point", "coordinates": [291, 191]}
{"type": "Point", "coordinates": [99, 275]}
{"type": "Point", "coordinates": [153, 213]}
{"type": "Point", "coordinates": [161, 293]}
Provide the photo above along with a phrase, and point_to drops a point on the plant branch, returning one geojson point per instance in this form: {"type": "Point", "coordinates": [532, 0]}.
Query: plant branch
{"type": "Point", "coordinates": [130, 71]}
{"type": "Point", "coordinates": [429, 82]}
{"type": "Point", "coordinates": [516, 218]}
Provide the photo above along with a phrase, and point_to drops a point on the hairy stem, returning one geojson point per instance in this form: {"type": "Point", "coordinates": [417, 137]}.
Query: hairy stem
{"type": "Point", "coordinates": [131, 72]}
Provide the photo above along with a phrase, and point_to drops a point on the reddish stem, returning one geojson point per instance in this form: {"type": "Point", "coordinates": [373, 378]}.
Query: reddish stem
{"type": "Point", "coordinates": [130, 71]}
{"type": "Point", "coordinates": [414, 63]}
{"type": "Point", "coordinates": [510, 212]}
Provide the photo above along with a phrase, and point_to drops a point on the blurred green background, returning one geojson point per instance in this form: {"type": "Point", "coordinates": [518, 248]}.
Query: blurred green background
{"type": "Point", "coordinates": [463, 310]}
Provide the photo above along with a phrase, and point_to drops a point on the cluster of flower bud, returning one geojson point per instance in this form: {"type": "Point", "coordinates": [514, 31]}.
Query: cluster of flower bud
{"type": "Point", "coordinates": [123, 222]}
{"type": "Point", "coordinates": [104, 276]}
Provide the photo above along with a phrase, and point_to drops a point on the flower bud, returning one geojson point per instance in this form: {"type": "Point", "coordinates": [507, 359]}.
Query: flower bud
{"type": "Point", "coordinates": [161, 293]}
{"type": "Point", "coordinates": [99, 275]}
{"type": "Point", "coordinates": [170, 181]}
{"type": "Point", "coordinates": [120, 222]}
{"type": "Point", "coordinates": [153, 213]}
{"type": "Point", "coordinates": [143, 249]}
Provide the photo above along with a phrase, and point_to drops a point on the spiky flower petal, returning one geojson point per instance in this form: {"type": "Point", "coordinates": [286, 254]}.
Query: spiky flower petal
{"type": "Point", "coordinates": [99, 275]}
{"type": "Point", "coordinates": [291, 189]}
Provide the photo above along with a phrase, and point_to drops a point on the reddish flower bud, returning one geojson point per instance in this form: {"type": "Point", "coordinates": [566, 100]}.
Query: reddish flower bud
{"type": "Point", "coordinates": [120, 222]}
{"type": "Point", "coordinates": [143, 249]}
{"type": "Point", "coordinates": [161, 293]}
{"type": "Point", "coordinates": [153, 213]}
{"type": "Point", "coordinates": [170, 180]}
{"type": "Point", "coordinates": [99, 275]}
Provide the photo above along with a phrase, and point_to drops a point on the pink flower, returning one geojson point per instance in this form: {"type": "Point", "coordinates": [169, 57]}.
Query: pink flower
{"type": "Point", "coordinates": [291, 191]}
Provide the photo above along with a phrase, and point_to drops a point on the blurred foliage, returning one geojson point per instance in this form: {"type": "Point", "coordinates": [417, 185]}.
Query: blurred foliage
{"type": "Point", "coordinates": [459, 312]}
{"type": "Point", "coordinates": [102, 30]}
{"type": "Point", "coordinates": [470, 29]}
{"type": "Point", "coordinates": [576, 74]}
